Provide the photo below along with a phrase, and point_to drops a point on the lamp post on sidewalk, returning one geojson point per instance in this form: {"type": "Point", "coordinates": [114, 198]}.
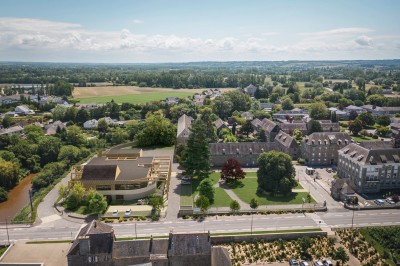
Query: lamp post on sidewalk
{"type": "Point", "coordinates": [8, 236]}
{"type": "Point", "coordinates": [30, 199]}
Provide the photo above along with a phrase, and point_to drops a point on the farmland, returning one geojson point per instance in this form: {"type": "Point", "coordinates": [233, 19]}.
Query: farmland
{"type": "Point", "coordinates": [130, 94]}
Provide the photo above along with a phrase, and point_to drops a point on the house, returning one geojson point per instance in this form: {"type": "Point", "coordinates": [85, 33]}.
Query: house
{"type": "Point", "coordinates": [171, 100]}
{"type": "Point", "coordinates": [296, 114]}
{"type": "Point", "coordinates": [246, 153]}
{"type": "Point", "coordinates": [247, 115]}
{"type": "Point", "coordinates": [51, 129]}
{"type": "Point", "coordinates": [371, 166]}
{"type": "Point", "coordinates": [270, 127]}
{"type": "Point", "coordinates": [199, 99]}
{"type": "Point", "coordinates": [329, 126]}
{"type": "Point", "coordinates": [289, 128]}
{"type": "Point", "coordinates": [321, 148]}
{"type": "Point", "coordinates": [183, 129]}
{"type": "Point", "coordinates": [219, 124]}
{"type": "Point", "coordinates": [340, 115]}
{"type": "Point", "coordinates": [341, 189]}
{"type": "Point", "coordinates": [287, 144]}
{"type": "Point", "coordinates": [256, 123]}
{"type": "Point", "coordinates": [353, 108]}
{"type": "Point", "coordinates": [13, 130]}
{"type": "Point", "coordinates": [90, 124]}
{"type": "Point", "coordinates": [123, 173]}
{"type": "Point", "coordinates": [96, 244]}
{"type": "Point", "coordinates": [23, 110]}
{"type": "Point", "coordinates": [250, 90]}
{"type": "Point", "coordinates": [267, 107]}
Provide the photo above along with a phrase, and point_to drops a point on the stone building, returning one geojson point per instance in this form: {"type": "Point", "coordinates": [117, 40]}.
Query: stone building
{"type": "Point", "coordinates": [270, 127]}
{"type": "Point", "coordinates": [370, 166]}
{"type": "Point", "coordinates": [287, 144]}
{"type": "Point", "coordinates": [322, 148]}
{"type": "Point", "coordinates": [183, 129]}
{"type": "Point", "coordinates": [289, 128]}
{"type": "Point", "coordinates": [246, 153]}
{"type": "Point", "coordinates": [96, 245]}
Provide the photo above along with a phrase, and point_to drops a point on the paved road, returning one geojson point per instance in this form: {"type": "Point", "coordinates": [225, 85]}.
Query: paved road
{"type": "Point", "coordinates": [220, 225]}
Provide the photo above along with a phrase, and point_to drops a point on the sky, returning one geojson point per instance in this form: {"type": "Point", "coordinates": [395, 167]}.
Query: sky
{"type": "Point", "coordinates": [152, 31]}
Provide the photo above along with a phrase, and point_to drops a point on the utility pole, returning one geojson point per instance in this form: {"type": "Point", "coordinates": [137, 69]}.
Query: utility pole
{"type": "Point", "coordinates": [30, 199]}
{"type": "Point", "coordinates": [135, 231]}
{"type": "Point", "coordinates": [251, 228]}
{"type": "Point", "coordinates": [8, 236]}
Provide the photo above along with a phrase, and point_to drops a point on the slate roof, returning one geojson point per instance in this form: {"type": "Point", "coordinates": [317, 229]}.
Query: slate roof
{"type": "Point", "coordinates": [247, 115]}
{"type": "Point", "coordinates": [285, 139]}
{"type": "Point", "coordinates": [320, 138]}
{"type": "Point", "coordinates": [98, 244]}
{"type": "Point", "coordinates": [268, 125]}
{"type": "Point", "coordinates": [241, 148]}
{"type": "Point", "coordinates": [292, 126]}
{"type": "Point", "coordinates": [328, 125]}
{"type": "Point", "coordinates": [10, 130]}
{"type": "Point", "coordinates": [372, 156]}
{"type": "Point", "coordinates": [139, 248]}
{"type": "Point", "coordinates": [182, 244]}
{"type": "Point", "coordinates": [256, 123]}
{"type": "Point", "coordinates": [184, 123]}
{"type": "Point", "coordinates": [219, 123]}
{"type": "Point", "coordinates": [129, 169]}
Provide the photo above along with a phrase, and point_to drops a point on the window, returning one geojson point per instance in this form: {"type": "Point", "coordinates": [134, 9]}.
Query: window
{"type": "Point", "coordinates": [119, 197]}
{"type": "Point", "coordinates": [93, 259]}
{"type": "Point", "coordinates": [103, 187]}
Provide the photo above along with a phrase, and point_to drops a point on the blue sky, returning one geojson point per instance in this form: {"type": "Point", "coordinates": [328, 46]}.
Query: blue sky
{"type": "Point", "coordinates": [179, 31]}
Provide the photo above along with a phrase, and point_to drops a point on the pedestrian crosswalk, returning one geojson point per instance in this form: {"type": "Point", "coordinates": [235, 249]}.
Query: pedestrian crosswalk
{"type": "Point", "coordinates": [317, 219]}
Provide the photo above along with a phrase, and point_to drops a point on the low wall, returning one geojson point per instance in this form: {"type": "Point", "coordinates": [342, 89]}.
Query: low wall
{"type": "Point", "coordinates": [366, 208]}
{"type": "Point", "coordinates": [217, 240]}
{"type": "Point", "coordinates": [131, 194]}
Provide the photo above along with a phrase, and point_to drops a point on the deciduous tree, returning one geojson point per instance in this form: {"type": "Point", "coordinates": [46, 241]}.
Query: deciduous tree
{"type": "Point", "coordinates": [234, 206]}
{"type": "Point", "coordinates": [276, 173]}
{"type": "Point", "coordinates": [206, 189]}
{"type": "Point", "coordinates": [232, 171]}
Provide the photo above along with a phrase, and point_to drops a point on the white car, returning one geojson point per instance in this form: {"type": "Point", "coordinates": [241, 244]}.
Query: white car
{"type": "Point", "coordinates": [115, 213]}
{"type": "Point", "coordinates": [128, 212]}
{"type": "Point", "coordinates": [390, 201]}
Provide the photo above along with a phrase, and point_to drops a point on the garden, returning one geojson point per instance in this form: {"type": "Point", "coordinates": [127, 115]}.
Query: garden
{"type": "Point", "coordinates": [304, 248]}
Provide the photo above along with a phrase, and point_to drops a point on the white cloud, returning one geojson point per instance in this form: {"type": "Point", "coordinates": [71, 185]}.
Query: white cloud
{"type": "Point", "coordinates": [40, 37]}
{"type": "Point", "coordinates": [363, 40]}
{"type": "Point", "coordinates": [137, 21]}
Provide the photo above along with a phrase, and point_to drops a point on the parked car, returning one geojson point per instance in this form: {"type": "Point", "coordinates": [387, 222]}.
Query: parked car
{"type": "Point", "coordinates": [327, 262]}
{"type": "Point", "coordinates": [329, 170]}
{"type": "Point", "coordinates": [390, 201]}
{"type": "Point", "coordinates": [293, 262]}
{"type": "Point", "coordinates": [186, 182]}
{"type": "Point", "coordinates": [304, 263]}
{"type": "Point", "coordinates": [187, 178]}
{"type": "Point", "coordinates": [115, 213]}
{"type": "Point", "coordinates": [379, 202]}
{"type": "Point", "coordinates": [128, 212]}
{"type": "Point", "coordinates": [318, 263]}
{"type": "Point", "coordinates": [141, 202]}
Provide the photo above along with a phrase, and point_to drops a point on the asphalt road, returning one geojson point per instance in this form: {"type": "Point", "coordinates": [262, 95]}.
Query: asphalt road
{"type": "Point", "coordinates": [224, 224]}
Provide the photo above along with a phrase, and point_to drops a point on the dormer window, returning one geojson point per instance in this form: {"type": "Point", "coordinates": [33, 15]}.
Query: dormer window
{"type": "Point", "coordinates": [223, 151]}
{"type": "Point", "coordinates": [251, 151]}
{"type": "Point", "coordinates": [346, 141]}
{"type": "Point", "coordinates": [237, 150]}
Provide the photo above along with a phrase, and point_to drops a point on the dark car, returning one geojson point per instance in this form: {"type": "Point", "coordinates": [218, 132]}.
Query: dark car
{"type": "Point", "coordinates": [293, 262]}
{"type": "Point", "coordinates": [304, 263]}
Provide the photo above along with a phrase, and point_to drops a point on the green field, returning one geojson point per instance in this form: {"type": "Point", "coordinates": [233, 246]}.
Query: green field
{"type": "Point", "coordinates": [248, 188]}
{"type": "Point", "coordinates": [360, 138]}
{"type": "Point", "coordinates": [136, 98]}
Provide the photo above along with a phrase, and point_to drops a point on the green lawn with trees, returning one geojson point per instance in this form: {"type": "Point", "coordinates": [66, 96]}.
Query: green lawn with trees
{"type": "Point", "coordinates": [246, 189]}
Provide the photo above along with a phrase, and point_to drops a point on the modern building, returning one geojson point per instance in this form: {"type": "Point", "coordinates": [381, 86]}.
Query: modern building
{"type": "Point", "coordinates": [123, 174]}
{"type": "Point", "coordinates": [246, 153]}
{"type": "Point", "coordinates": [322, 148]}
{"type": "Point", "coordinates": [287, 144]}
{"type": "Point", "coordinates": [183, 129]}
{"type": "Point", "coordinates": [370, 166]}
{"type": "Point", "coordinates": [96, 244]}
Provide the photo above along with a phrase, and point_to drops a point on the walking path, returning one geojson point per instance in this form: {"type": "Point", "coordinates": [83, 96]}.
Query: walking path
{"type": "Point", "coordinates": [243, 205]}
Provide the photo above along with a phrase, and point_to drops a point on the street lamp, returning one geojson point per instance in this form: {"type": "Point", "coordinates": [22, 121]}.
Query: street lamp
{"type": "Point", "coordinates": [8, 236]}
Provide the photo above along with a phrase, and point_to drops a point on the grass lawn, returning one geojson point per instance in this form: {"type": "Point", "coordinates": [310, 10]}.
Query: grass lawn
{"type": "Point", "coordinates": [299, 186]}
{"type": "Point", "coordinates": [360, 138]}
{"type": "Point", "coordinates": [186, 196]}
{"type": "Point", "coordinates": [2, 250]}
{"type": "Point", "coordinates": [136, 98]}
{"type": "Point", "coordinates": [246, 190]}
{"type": "Point", "coordinates": [221, 198]}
